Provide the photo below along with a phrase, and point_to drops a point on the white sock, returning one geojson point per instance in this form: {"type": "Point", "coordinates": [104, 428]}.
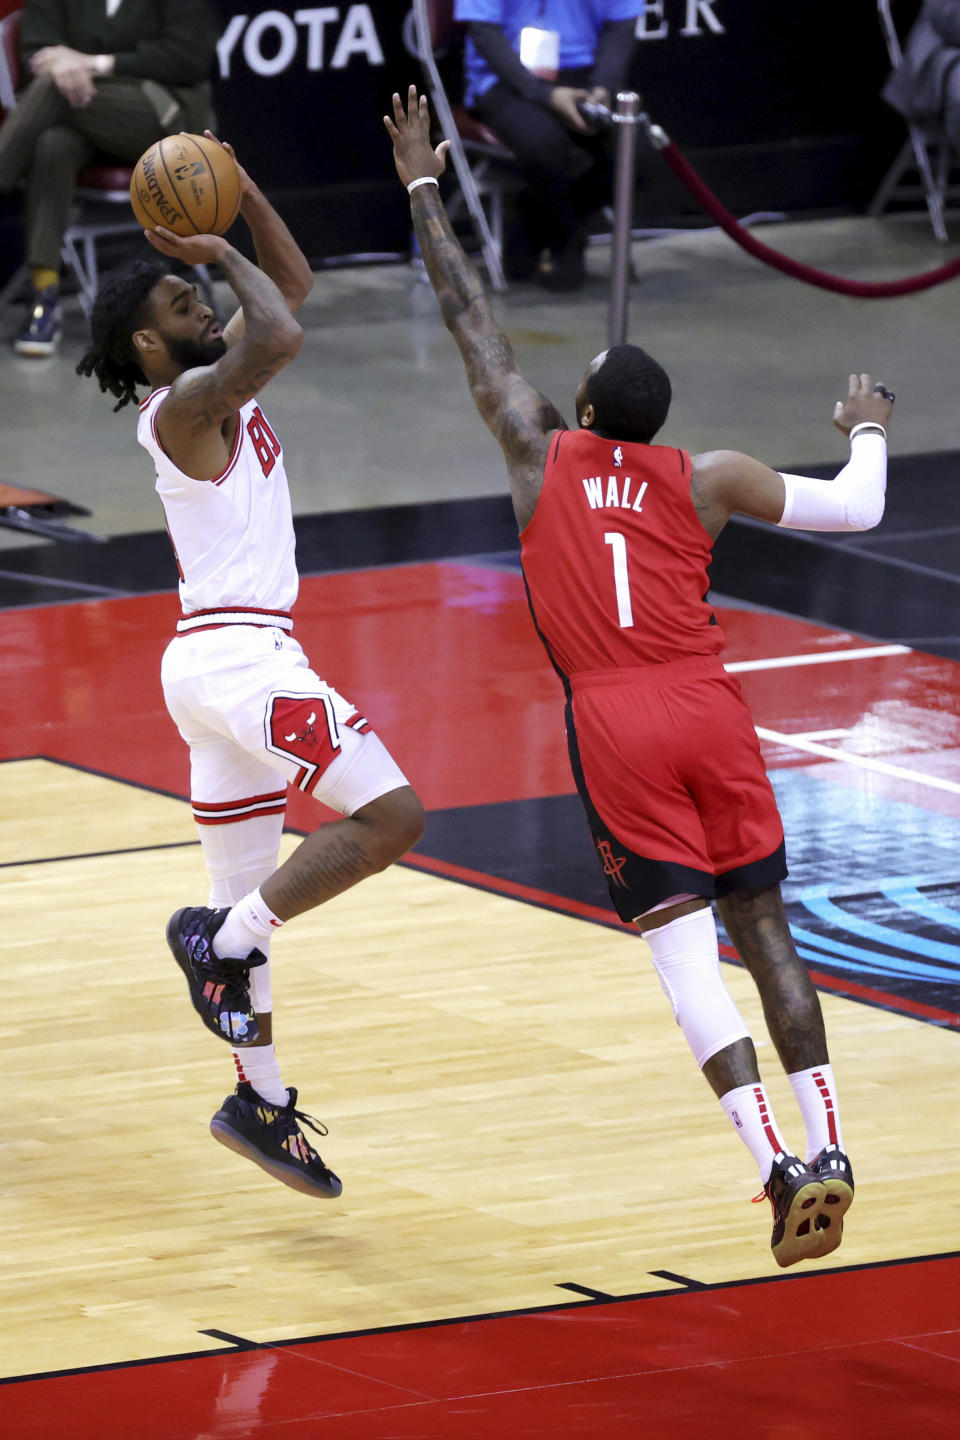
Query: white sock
{"type": "Point", "coordinates": [749, 1112]}
{"type": "Point", "coordinates": [249, 923]}
{"type": "Point", "coordinates": [816, 1093]}
{"type": "Point", "coordinates": [257, 1066]}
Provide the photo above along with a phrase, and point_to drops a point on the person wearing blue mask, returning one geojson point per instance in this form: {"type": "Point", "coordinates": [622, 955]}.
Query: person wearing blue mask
{"type": "Point", "coordinates": [530, 65]}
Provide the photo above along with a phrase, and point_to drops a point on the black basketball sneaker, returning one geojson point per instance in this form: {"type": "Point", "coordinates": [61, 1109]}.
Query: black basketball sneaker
{"type": "Point", "coordinates": [835, 1172]}
{"type": "Point", "coordinates": [219, 988]}
{"type": "Point", "coordinates": [270, 1136]}
{"type": "Point", "coordinates": [796, 1196]}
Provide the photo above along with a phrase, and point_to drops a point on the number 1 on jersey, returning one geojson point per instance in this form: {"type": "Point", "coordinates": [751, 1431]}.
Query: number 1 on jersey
{"type": "Point", "coordinates": [621, 580]}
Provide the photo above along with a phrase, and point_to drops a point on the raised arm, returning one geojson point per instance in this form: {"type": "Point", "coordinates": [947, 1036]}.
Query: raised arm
{"type": "Point", "coordinates": [196, 421]}
{"type": "Point", "coordinates": [520, 417]}
{"type": "Point", "coordinates": [725, 483]}
{"type": "Point", "coordinates": [278, 254]}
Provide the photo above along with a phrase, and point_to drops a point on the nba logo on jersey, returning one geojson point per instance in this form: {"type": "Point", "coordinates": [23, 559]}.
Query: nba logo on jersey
{"type": "Point", "coordinates": [618, 456]}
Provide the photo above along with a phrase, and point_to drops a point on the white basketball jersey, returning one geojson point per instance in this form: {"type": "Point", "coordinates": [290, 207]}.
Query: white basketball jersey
{"type": "Point", "coordinates": [233, 535]}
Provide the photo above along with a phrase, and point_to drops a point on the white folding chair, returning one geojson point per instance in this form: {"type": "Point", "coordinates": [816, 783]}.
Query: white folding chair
{"type": "Point", "coordinates": [922, 165]}
{"type": "Point", "coordinates": [486, 170]}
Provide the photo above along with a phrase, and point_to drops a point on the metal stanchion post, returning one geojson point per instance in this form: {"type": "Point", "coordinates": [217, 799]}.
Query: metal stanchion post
{"type": "Point", "coordinates": [626, 118]}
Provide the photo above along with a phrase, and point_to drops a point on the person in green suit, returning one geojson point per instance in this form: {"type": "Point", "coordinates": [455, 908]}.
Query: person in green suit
{"type": "Point", "coordinates": [99, 79]}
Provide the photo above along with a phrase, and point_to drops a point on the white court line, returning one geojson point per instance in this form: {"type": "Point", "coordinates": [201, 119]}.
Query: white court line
{"type": "Point", "coordinates": [860, 762]}
{"type": "Point", "coordinates": [822, 734]}
{"type": "Point", "coordinates": [784, 662]}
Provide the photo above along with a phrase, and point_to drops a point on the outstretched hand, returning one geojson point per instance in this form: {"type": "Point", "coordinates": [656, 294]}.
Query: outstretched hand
{"type": "Point", "coordinates": [865, 402]}
{"type": "Point", "coordinates": [409, 130]}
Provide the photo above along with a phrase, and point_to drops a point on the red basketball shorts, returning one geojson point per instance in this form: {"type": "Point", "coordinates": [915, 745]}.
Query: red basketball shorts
{"type": "Point", "coordinates": [669, 769]}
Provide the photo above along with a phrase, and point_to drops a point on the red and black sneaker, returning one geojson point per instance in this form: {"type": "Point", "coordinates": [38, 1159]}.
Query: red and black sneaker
{"type": "Point", "coordinates": [833, 1169]}
{"type": "Point", "coordinates": [796, 1196]}
{"type": "Point", "coordinates": [219, 988]}
{"type": "Point", "coordinates": [270, 1136]}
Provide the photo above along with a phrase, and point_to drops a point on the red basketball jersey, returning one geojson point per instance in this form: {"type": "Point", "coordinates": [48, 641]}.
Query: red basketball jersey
{"type": "Point", "coordinates": [615, 557]}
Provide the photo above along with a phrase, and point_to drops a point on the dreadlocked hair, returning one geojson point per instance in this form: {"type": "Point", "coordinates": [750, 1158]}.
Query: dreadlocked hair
{"type": "Point", "coordinates": [630, 393]}
{"type": "Point", "coordinates": [119, 309]}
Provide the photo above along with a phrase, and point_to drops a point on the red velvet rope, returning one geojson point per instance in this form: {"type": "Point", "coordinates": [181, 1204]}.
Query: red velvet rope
{"type": "Point", "coordinates": [864, 289]}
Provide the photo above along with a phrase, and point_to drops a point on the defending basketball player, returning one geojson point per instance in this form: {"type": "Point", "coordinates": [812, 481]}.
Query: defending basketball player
{"type": "Point", "coordinates": [237, 684]}
{"type": "Point", "coordinates": [616, 535]}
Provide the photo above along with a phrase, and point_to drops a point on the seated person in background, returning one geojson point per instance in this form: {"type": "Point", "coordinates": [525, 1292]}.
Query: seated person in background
{"type": "Point", "coordinates": [104, 79]}
{"type": "Point", "coordinates": [927, 84]}
{"type": "Point", "coordinates": [528, 63]}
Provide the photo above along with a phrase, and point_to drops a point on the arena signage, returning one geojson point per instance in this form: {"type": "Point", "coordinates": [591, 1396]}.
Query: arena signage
{"type": "Point", "coordinates": [660, 17]}
{"type": "Point", "coordinates": [316, 38]}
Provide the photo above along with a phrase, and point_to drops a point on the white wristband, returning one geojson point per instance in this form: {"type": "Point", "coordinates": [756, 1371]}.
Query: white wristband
{"type": "Point", "coordinates": [424, 180]}
{"type": "Point", "coordinates": [868, 425]}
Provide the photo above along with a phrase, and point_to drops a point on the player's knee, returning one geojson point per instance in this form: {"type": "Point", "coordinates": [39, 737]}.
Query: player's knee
{"type": "Point", "coordinates": [396, 821]}
{"type": "Point", "coordinates": [685, 957]}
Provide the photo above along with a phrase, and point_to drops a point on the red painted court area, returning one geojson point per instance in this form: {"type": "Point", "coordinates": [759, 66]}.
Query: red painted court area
{"type": "Point", "coordinates": [869, 1353]}
{"type": "Point", "coordinates": [443, 659]}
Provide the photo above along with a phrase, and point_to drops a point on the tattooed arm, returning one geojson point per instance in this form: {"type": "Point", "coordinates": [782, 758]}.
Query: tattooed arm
{"type": "Point", "coordinates": [520, 417]}
{"type": "Point", "coordinates": [197, 419]}
{"type": "Point", "coordinates": [278, 253]}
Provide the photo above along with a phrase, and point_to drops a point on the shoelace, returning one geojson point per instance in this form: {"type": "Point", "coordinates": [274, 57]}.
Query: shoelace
{"type": "Point", "coordinates": [290, 1132]}
{"type": "Point", "coordinates": [316, 1125]}
{"type": "Point", "coordinates": [232, 977]}
{"type": "Point", "coordinates": [286, 1123]}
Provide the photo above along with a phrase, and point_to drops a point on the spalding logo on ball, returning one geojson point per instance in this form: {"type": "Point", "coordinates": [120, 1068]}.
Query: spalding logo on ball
{"type": "Point", "coordinates": [187, 184]}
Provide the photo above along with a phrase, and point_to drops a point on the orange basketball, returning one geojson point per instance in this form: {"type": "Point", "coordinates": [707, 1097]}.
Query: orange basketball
{"type": "Point", "coordinates": [187, 184]}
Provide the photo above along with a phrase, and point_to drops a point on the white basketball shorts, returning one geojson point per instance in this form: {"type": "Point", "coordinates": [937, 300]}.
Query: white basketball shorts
{"type": "Point", "coordinates": [253, 713]}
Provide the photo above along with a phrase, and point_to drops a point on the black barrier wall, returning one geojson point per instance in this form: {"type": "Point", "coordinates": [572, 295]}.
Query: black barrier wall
{"type": "Point", "coordinates": [300, 92]}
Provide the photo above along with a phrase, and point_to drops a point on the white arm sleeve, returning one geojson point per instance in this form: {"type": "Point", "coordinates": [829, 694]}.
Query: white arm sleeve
{"type": "Point", "coordinates": [853, 501]}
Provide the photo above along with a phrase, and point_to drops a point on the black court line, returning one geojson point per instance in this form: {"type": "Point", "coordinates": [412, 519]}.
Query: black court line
{"type": "Point", "coordinates": [587, 1290]}
{"type": "Point", "coordinates": [99, 854]}
{"type": "Point", "coordinates": [238, 1342]}
{"type": "Point", "coordinates": [100, 774]}
{"type": "Point", "coordinates": [676, 1291]}
{"type": "Point", "coordinates": [683, 1280]}
{"type": "Point", "coordinates": [115, 779]}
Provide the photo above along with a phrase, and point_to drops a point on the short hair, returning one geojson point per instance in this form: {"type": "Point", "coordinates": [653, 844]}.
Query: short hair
{"type": "Point", "coordinates": [121, 307]}
{"type": "Point", "coordinates": [630, 393]}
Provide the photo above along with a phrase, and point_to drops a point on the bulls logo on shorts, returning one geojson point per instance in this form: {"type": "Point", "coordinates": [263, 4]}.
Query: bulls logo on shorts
{"type": "Point", "coordinates": [304, 729]}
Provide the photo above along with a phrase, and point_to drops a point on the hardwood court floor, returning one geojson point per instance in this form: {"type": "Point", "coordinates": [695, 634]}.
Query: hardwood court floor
{"type": "Point", "coordinates": [508, 1109]}
{"type": "Point", "coordinates": [517, 1122]}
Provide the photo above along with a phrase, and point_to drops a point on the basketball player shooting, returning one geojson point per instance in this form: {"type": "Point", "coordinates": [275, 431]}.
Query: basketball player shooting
{"type": "Point", "coordinates": [616, 534]}
{"type": "Point", "coordinates": [239, 687]}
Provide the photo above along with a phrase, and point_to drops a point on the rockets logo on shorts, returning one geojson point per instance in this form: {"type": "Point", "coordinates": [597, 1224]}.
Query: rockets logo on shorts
{"type": "Point", "coordinates": [612, 864]}
{"type": "Point", "coordinates": [303, 729]}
